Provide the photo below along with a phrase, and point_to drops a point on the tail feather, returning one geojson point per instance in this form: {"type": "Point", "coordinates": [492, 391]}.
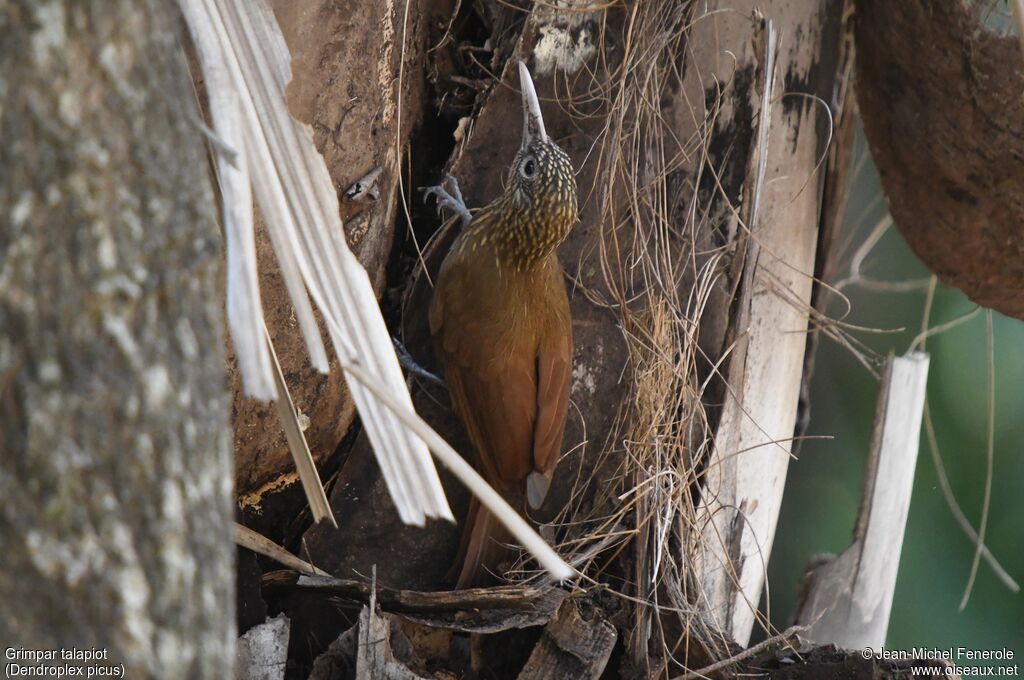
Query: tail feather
{"type": "Point", "coordinates": [482, 548]}
{"type": "Point", "coordinates": [537, 485]}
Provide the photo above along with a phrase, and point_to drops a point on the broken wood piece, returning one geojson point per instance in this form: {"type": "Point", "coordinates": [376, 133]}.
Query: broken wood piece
{"type": "Point", "coordinates": [336, 661]}
{"type": "Point", "coordinates": [574, 646]}
{"type": "Point", "coordinates": [375, 659]}
{"type": "Point", "coordinates": [746, 472]}
{"type": "Point", "coordinates": [260, 544]}
{"type": "Point", "coordinates": [319, 506]}
{"type": "Point", "coordinates": [263, 650]}
{"type": "Point", "coordinates": [476, 610]}
{"type": "Point", "coordinates": [848, 599]}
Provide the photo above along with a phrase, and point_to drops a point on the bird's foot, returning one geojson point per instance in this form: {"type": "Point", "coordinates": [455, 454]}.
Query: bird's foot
{"type": "Point", "coordinates": [449, 196]}
{"type": "Point", "coordinates": [405, 358]}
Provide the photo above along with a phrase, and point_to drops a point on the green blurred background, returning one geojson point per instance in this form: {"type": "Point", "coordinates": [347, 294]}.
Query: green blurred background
{"type": "Point", "coordinates": [823, 487]}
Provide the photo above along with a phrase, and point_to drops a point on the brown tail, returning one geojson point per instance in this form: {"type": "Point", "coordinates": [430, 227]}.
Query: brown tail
{"type": "Point", "coordinates": [482, 548]}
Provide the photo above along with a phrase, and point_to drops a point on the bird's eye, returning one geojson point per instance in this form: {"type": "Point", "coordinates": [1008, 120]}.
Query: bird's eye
{"type": "Point", "coordinates": [528, 168]}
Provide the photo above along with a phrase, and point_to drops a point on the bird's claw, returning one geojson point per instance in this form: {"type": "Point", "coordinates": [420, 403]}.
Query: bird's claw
{"type": "Point", "coordinates": [455, 190]}
{"type": "Point", "coordinates": [449, 195]}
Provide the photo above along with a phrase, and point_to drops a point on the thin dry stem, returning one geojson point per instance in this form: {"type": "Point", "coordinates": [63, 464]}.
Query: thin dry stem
{"type": "Point", "coordinates": [989, 454]}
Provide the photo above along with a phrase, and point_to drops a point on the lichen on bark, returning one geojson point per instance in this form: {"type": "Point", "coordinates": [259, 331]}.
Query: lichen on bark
{"type": "Point", "coordinates": [115, 467]}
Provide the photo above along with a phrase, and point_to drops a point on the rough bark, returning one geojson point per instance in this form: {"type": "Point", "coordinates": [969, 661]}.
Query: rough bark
{"type": "Point", "coordinates": [115, 467]}
{"type": "Point", "coordinates": [576, 645]}
{"type": "Point", "coordinates": [263, 651]}
{"type": "Point", "coordinates": [376, 659]}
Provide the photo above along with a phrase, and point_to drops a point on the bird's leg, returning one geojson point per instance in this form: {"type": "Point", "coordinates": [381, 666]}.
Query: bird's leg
{"type": "Point", "coordinates": [456, 191]}
{"type": "Point", "coordinates": [449, 196]}
{"type": "Point", "coordinates": [405, 358]}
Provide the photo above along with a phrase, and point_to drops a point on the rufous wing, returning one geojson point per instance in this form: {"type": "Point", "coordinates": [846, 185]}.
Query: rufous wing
{"type": "Point", "coordinates": [554, 380]}
{"type": "Point", "coordinates": [490, 370]}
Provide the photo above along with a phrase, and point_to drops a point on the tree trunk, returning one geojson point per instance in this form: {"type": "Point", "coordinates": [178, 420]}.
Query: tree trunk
{"type": "Point", "coordinates": [114, 433]}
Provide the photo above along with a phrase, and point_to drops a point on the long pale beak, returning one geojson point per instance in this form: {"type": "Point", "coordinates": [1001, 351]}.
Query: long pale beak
{"type": "Point", "coordinates": [533, 121]}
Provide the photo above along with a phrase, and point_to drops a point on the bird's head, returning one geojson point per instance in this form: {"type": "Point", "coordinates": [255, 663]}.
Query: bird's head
{"type": "Point", "coordinates": [541, 182]}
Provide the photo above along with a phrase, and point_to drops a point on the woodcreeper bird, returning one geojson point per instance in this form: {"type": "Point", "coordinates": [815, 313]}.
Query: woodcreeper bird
{"type": "Point", "coordinates": [502, 332]}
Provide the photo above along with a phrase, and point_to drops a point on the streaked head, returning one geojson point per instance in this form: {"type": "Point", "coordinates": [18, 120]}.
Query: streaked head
{"type": "Point", "coordinates": [541, 180]}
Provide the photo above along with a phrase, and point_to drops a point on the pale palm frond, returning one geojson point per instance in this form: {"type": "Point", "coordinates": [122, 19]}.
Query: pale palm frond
{"type": "Point", "coordinates": [247, 66]}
